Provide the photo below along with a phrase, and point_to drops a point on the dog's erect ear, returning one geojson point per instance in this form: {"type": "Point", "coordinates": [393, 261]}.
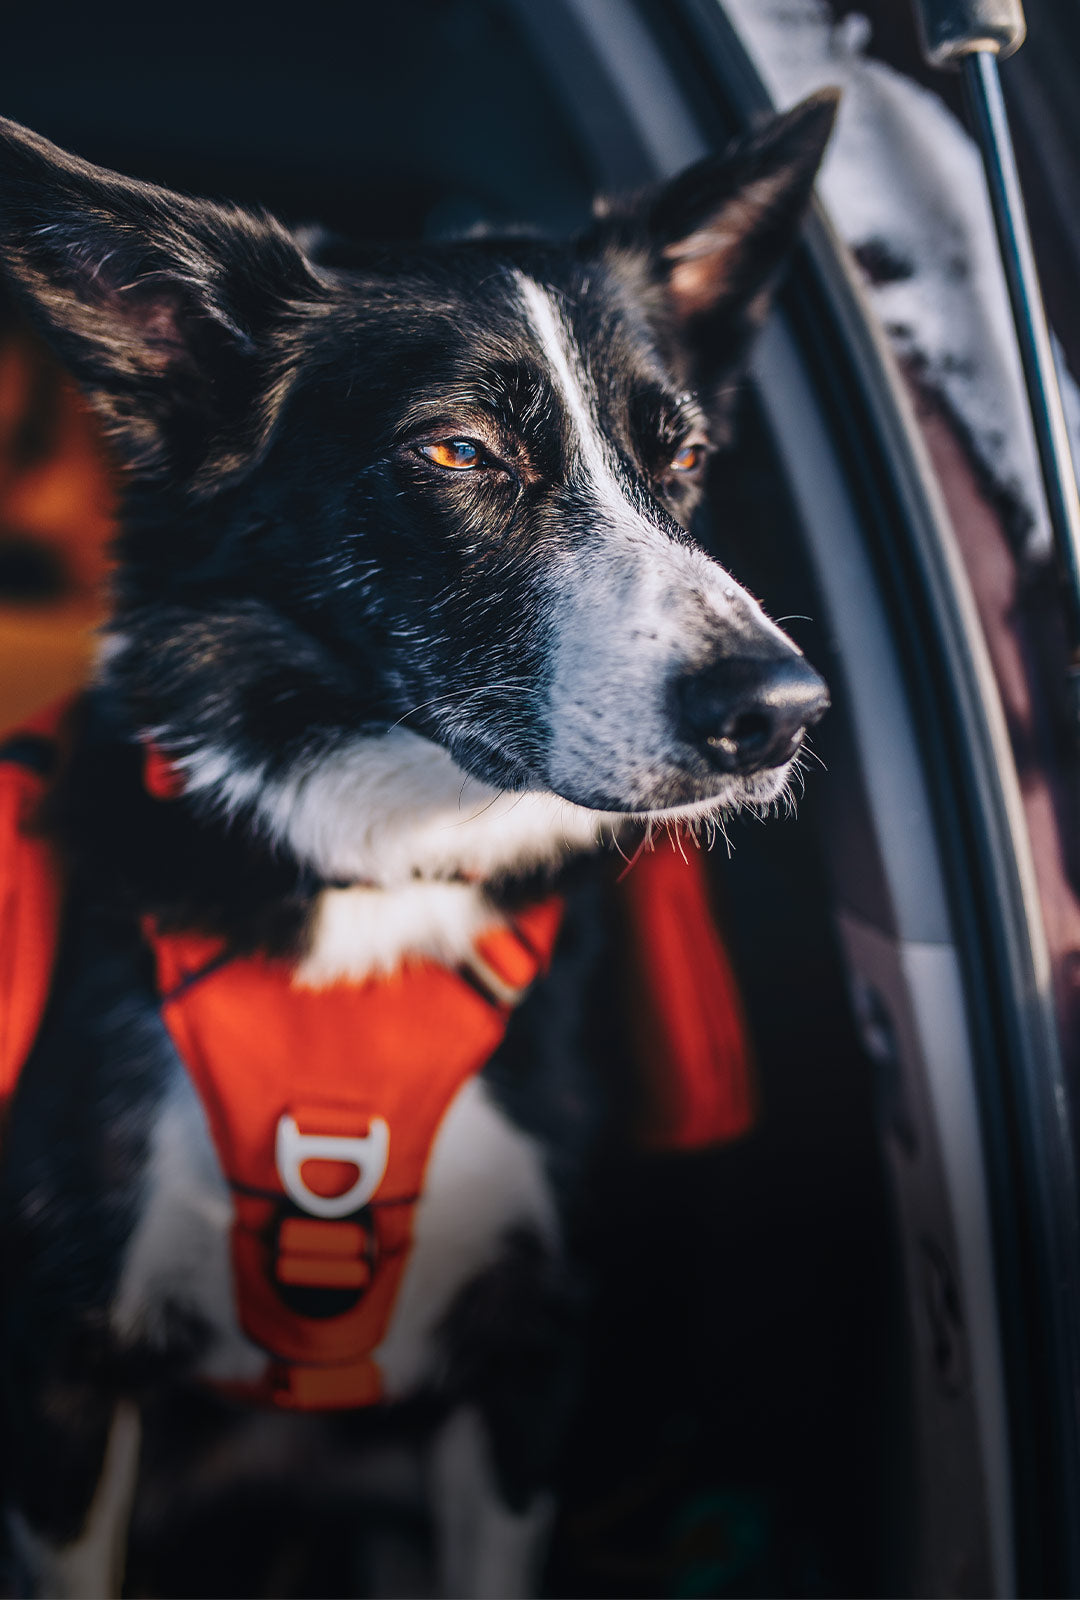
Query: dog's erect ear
{"type": "Point", "coordinates": [717, 236]}
{"type": "Point", "coordinates": [725, 226]}
{"type": "Point", "coordinates": [160, 306]}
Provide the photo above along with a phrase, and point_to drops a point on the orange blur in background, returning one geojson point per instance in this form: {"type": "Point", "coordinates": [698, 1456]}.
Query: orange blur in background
{"type": "Point", "coordinates": [57, 516]}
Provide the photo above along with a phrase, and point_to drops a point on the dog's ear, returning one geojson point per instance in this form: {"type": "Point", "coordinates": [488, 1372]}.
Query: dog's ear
{"type": "Point", "coordinates": [724, 227]}
{"type": "Point", "coordinates": [162, 307]}
{"type": "Point", "coordinates": [717, 236]}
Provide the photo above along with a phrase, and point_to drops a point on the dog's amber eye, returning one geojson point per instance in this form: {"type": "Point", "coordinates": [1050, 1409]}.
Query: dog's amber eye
{"type": "Point", "coordinates": [458, 454]}
{"type": "Point", "coordinates": [688, 459]}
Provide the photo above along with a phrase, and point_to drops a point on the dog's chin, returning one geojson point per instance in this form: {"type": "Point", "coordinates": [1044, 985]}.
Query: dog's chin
{"type": "Point", "coordinates": [681, 796]}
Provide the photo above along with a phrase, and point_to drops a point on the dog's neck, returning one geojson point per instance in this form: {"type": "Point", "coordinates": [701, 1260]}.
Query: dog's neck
{"type": "Point", "coordinates": [380, 851]}
{"type": "Point", "coordinates": [405, 845]}
{"type": "Point", "coordinates": [386, 811]}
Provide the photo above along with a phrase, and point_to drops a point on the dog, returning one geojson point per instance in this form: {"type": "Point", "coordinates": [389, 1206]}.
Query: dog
{"type": "Point", "coordinates": [406, 617]}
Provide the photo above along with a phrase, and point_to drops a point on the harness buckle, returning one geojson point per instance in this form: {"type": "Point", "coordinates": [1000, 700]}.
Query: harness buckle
{"type": "Point", "coordinates": [368, 1154]}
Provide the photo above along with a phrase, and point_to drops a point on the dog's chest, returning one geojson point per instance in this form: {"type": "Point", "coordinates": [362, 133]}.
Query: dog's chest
{"type": "Point", "coordinates": [328, 1169]}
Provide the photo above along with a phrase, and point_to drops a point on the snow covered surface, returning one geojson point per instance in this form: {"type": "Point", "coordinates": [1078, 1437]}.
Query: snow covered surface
{"type": "Point", "coordinates": [903, 183]}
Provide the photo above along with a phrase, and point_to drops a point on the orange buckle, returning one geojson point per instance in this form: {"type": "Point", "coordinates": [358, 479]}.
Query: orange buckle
{"type": "Point", "coordinates": [324, 1255]}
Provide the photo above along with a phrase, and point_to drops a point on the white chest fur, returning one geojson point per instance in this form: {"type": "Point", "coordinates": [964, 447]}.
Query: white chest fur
{"type": "Point", "coordinates": [360, 931]}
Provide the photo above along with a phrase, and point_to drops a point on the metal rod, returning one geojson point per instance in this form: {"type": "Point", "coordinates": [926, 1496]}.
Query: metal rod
{"type": "Point", "coordinates": [983, 85]}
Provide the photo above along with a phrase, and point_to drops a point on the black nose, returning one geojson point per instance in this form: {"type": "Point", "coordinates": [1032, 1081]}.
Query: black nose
{"type": "Point", "coordinates": [745, 714]}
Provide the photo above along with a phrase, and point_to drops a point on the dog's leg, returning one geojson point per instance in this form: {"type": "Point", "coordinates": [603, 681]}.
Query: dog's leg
{"type": "Point", "coordinates": [76, 1554]}
{"type": "Point", "coordinates": [512, 1346]}
{"type": "Point", "coordinates": [487, 1549]}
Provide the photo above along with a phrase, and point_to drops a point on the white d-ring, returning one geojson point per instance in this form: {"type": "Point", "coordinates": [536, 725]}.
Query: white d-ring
{"type": "Point", "coordinates": [368, 1155]}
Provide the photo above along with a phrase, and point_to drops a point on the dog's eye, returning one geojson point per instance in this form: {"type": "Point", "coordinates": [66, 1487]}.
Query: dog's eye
{"type": "Point", "coordinates": [460, 455]}
{"type": "Point", "coordinates": [688, 460]}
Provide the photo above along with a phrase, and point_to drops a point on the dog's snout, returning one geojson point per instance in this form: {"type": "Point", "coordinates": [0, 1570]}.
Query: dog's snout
{"type": "Point", "coordinates": [746, 714]}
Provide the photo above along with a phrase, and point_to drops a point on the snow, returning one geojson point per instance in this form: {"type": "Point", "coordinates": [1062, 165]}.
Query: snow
{"type": "Point", "coordinates": [903, 183]}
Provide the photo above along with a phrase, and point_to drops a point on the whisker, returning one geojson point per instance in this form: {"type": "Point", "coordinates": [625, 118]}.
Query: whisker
{"type": "Point", "coordinates": [475, 815]}
{"type": "Point", "coordinates": [617, 845]}
{"type": "Point", "coordinates": [636, 857]}
{"type": "Point", "coordinates": [457, 694]}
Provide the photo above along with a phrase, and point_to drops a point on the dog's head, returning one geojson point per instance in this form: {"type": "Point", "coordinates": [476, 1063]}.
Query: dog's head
{"type": "Point", "coordinates": [431, 501]}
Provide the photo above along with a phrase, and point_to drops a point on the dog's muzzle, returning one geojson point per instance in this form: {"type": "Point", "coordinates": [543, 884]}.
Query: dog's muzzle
{"type": "Point", "coordinates": [746, 714]}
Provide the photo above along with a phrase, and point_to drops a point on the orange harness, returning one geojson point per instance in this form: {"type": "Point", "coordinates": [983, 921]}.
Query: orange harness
{"type": "Point", "coordinates": [324, 1105]}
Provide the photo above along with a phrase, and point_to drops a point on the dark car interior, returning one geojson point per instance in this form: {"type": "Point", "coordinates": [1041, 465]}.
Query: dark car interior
{"type": "Point", "coordinates": [745, 1424]}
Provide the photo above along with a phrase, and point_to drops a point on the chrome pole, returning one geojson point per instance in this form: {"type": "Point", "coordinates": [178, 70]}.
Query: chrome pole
{"type": "Point", "coordinates": [972, 35]}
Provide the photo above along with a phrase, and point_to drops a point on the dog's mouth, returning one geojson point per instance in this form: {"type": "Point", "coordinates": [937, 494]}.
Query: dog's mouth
{"type": "Point", "coordinates": [716, 755]}
{"type": "Point", "coordinates": [682, 798]}
{"type": "Point", "coordinates": [757, 792]}
{"type": "Point", "coordinates": [681, 785]}
{"type": "Point", "coordinates": [731, 761]}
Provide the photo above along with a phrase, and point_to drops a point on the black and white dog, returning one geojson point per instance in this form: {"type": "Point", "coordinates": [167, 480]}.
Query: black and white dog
{"type": "Point", "coordinates": [405, 590]}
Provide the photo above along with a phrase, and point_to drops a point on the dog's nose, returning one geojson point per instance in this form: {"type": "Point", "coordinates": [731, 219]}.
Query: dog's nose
{"type": "Point", "coordinates": [746, 714]}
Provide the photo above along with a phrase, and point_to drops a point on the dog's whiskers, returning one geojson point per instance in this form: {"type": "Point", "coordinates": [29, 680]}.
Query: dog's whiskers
{"type": "Point", "coordinates": [615, 842]}
{"type": "Point", "coordinates": [675, 835]}
{"type": "Point", "coordinates": [458, 694]}
{"type": "Point", "coordinates": [475, 815]}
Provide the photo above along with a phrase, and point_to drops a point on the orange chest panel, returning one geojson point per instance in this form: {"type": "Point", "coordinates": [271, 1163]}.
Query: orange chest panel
{"type": "Point", "coordinates": [323, 1107]}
